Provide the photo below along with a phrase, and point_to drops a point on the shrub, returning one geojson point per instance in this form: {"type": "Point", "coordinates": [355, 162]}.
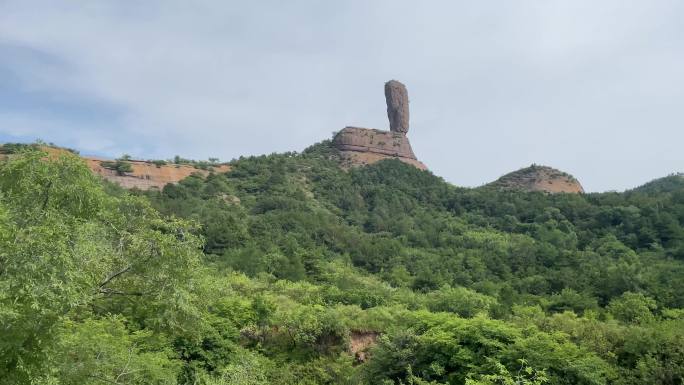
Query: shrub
{"type": "Point", "coordinates": [120, 166]}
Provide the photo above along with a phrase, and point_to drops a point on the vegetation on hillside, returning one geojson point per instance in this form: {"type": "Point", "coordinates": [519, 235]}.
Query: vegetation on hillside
{"type": "Point", "coordinates": [266, 274]}
{"type": "Point", "coordinates": [122, 165]}
{"type": "Point", "coordinates": [668, 184]}
{"type": "Point", "coordinates": [15, 148]}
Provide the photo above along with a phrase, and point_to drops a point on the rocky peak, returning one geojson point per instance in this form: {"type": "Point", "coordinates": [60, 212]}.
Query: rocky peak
{"type": "Point", "coordinates": [360, 146]}
{"type": "Point", "coordinates": [396, 96]}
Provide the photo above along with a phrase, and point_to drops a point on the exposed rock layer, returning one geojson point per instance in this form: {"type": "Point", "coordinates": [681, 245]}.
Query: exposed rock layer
{"type": "Point", "coordinates": [539, 178]}
{"type": "Point", "coordinates": [147, 175]}
{"type": "Point", "coordinates": [359, 146]}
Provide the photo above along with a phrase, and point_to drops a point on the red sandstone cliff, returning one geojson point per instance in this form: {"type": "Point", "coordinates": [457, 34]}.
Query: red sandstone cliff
{"type": "Point", "coordinates": [146, 175]}
{"type": "Point", "coordinates": [361, 146]}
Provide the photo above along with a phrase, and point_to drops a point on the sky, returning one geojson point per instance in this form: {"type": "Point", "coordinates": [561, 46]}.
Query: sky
{"type": "Point", "coordinates": [594, 88]}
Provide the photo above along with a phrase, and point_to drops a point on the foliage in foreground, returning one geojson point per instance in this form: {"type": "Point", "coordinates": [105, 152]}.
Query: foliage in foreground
{"type": "Point", "coordinates": [279, 266]}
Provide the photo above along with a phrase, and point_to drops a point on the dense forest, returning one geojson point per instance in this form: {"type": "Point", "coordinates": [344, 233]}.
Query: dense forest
{"type": "Point", "coordinates": [290, 270]}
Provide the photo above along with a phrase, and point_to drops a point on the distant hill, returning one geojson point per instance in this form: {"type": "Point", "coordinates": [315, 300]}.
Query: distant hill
{"type": "Point", "coordinates": [539, 178]}
{"type": "Point", "coordinates": [672, 182]}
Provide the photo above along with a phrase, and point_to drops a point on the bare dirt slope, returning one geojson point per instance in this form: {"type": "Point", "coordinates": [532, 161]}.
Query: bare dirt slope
{"type": "Point", "coordinates": [360, 342]}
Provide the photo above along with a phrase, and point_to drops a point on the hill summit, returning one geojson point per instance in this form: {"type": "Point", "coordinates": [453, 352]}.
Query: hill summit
{"type": "Point", "coordinates": [670, 183]}
{"type": "Point", "coordinates": [539, 178]}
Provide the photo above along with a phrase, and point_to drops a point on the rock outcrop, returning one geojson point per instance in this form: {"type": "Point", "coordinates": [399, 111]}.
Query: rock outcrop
{"type": "Point", "coordinates": [396, 96]}
{"type": "Point", "coordinates": [539, 178]}
{"type": "Point", "coordinates": [147, 175]}
{"type": "Point", "coordinates": [361, 146]}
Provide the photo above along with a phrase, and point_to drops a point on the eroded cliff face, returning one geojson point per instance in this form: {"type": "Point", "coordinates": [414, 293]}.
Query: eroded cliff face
{"type": "Point", "coordinates": [361, 146]}
{"type": "Point", "coordinates": [539, 178]}
{"type": "Point", "coordinates": [147, 175]}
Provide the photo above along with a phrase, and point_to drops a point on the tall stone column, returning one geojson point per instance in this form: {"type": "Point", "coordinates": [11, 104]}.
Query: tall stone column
{"type": "Point", "coordinates": [397, 106]}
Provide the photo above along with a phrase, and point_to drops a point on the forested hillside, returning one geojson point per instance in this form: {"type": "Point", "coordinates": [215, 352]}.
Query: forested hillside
{"type": "Point", "coordinates": [290, 270]}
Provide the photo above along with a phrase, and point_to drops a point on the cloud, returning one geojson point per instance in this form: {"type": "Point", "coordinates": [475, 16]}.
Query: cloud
{"type": "Point", "coordinates": [588, 87]}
